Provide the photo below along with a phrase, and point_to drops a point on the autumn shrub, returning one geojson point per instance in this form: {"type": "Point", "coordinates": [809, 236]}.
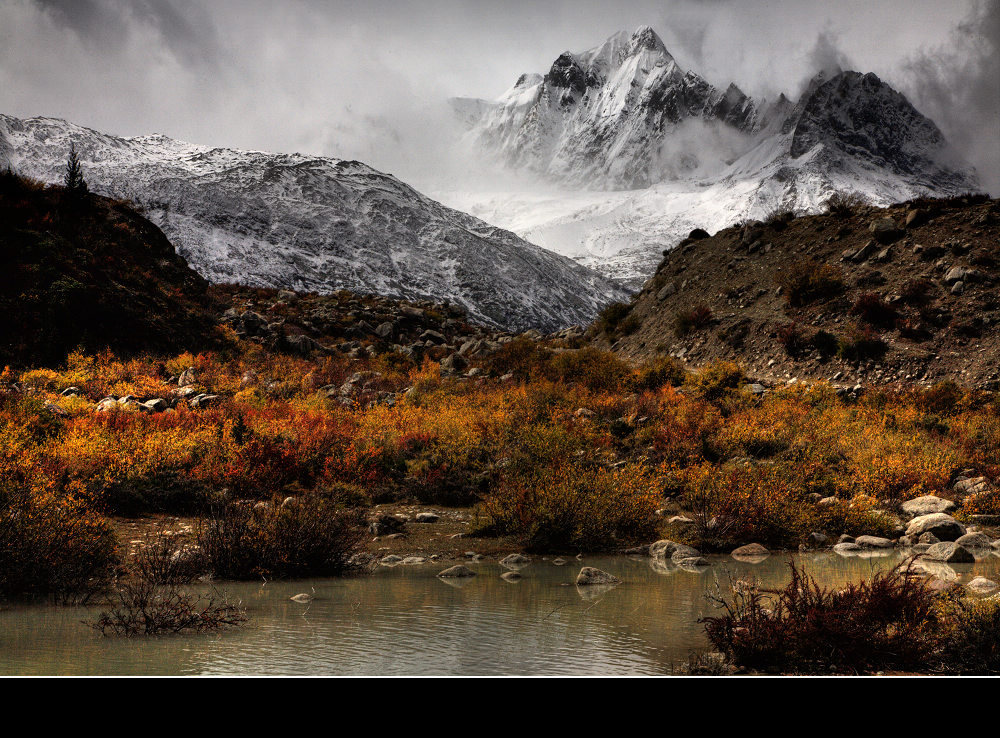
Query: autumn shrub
{"type": "Point", "coordinates": [825, 343]}
{"type": "Point", "coordinates": [616, 319]}
{"type": "Point", "coordinates": [918, 291]}
{"type": "Point", "coordinates": [887, 622]}
{"type": "Point", "coordinates": [695, 319]}
{"type": "Point", "coordinates": [598, 371]}
{"type": "Point", "coordinates": [521, 357]}
{"type": "Point", "coordinates": [862, 344]}
{"type": "Point", "coordinates": [810, 280]}
{"type": "Point", "coordinates": [310, 536]}
{"type": "Point", "coordinates": [872, 309]}
{"type": "Point", "coordinates": [717, 380]}
{"type": "Point", "coordinates": [843, 204]}
{"type": "Point", "coordinates": [659, 373]}
{"type": "Point", "coordinates": [970, 635]}
{"type": "Point", "coordinates": [570, 507]}
{"type": "Point", "coordinates": [53, 545]}
{"type": "Point", "coordinates": [144, 607]}
{"type": "Point", "coordinates": [793, 339]}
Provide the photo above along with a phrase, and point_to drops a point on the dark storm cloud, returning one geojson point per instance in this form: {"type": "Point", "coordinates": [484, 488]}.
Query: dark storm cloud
{"type": "Point", "coordinates": [183, 27]}
{"type": "Point", "coordinates": [369, 80]}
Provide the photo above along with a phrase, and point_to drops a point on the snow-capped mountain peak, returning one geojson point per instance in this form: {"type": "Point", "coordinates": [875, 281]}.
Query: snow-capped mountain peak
{"type": "Point", "coordinates": [644, 151]}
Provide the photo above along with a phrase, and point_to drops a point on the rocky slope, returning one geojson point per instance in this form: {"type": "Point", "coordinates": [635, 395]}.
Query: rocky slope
{"type": "Point", "coordinates": [316, 224]}
{"type": "Point", "coordinates": [858, 295]}
{"type": "Point", "coordinates": [658, 151]}
{"type": "Point", "coordinates": [91, 273]}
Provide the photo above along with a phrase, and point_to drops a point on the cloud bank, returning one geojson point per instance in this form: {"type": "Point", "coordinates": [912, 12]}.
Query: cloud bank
{"type": "Point", "coordinates": [369, 80]}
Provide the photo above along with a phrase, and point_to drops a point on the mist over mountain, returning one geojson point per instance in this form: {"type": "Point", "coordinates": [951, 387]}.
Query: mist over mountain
{"type": "Point", "coordinates": [642, 151]}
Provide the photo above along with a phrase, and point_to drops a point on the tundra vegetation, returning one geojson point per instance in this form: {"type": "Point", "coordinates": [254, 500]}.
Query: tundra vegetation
{"type": "Point", "coordinates": [280, 446]}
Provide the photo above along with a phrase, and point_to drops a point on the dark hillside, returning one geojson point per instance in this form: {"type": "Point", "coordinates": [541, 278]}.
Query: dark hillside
{"type": "Point", "coordinates": [89, 272]}
{"type": "Point", "coordinates": [861, 294]}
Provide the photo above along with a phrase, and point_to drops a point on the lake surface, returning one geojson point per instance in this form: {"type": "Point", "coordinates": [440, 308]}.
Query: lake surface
{"type": "Point", "coordinates": [406, 621]}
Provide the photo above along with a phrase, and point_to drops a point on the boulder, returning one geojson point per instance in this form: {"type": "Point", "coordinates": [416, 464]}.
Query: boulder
{"type": "Point", "coordinates": [943, 526]}
{"type": "Point", "coordinates": [885, 230]}
{"type": "Point", "coordinates": [458, 571]}
{"type": "Point", "coordinates": [926, 505]}
{"type": "Point", "coordinates": [974, 540]}
{"type": "Point", "coordinates": [663, 549]}
{"type": "Point", "coordinates": [188, 377]}
{"type": "Point", "coordinates": [982, 585]}
{"type": "Point", "coordinates": [950, 553]}
{"type": "Point", "coordinates": [682, 552]}
{"type": "Point", "coordinates": [817, 539]}
{"type": "Point", "coordinates": [427, 517]}
{"type": "Point", "coordinates": [157, 405]}
{"type": "Point", "coordinates": [515, 560]}
{"type": "Point", "coordinates": [453, 364]}
{"type": "Point", "coordinates": [391, 560]}
{"type": "Point", "coordinates": [751, 550]}
{"type": "Point", "coordinates": [971, 486]}
{"type": "Point", "coordinates": [589, 575]}
{"type": "Point", "coordinates": [666, 291]}
{"type": "Point", "coordinates": [873, 542]}
{"type": "Point", "coordinates": [384, 524]}
{"type": "Point", "coordinates": [846, 549]}
{"type": "Point", "coordinates": [201, 402]}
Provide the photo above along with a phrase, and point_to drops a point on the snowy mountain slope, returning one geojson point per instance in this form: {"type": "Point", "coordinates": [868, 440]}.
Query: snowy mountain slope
{"type": "Point", "coordinates": [311, 223]}
{"type": "Point", "coordinates": [596, 119]}
{"type": "Point", "coordinates": [624, 114]}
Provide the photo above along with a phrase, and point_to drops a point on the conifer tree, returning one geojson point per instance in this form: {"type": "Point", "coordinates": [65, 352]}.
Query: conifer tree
{"type": "Point", "coordinates": [73, 180]}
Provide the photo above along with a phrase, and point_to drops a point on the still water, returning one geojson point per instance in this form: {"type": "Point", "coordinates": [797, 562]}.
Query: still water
{"type": "Point", "coordinates": [406, 621]}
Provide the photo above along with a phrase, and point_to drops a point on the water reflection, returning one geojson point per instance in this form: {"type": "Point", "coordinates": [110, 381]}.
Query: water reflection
{"type": "Point", "coordinates": [406, 620]}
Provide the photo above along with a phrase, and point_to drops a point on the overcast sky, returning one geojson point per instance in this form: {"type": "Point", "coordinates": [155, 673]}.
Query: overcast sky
{"type": "Point", "coordinates": [368, 80]}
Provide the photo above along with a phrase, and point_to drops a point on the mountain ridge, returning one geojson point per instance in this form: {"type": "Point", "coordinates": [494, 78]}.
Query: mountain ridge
{"type": "Point", "coordinates": [316, 224]}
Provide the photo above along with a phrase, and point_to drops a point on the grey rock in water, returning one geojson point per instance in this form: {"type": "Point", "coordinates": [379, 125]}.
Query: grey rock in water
{"type": "Point", "coordinates": [663, 549]}
{"type": "Point", "coordinates": [847, 549]}
{"type": "Point", "coordinates": [458, 571]}
{"type": "Point", "coordinates": [684, 552]}
{"type": "Point", "coordinates": [511, 576]}
{"type": "Point", "coordinates": [974, 540]}
{"type": "Point", "coordinates": [950, 553]}
{"type": "Point", "coordinates": [589, 575]}
{"type": "Point", "coordinates": [515, 561]}
{"type": "Point", "coordinates": [751, 550]}
{"type": "Point", "coordinates": [873, 542]}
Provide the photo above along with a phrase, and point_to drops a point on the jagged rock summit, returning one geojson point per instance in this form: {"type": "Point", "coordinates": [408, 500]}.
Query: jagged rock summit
{"type": "Point", "coordinates": [316, 224]}
{"type": "Point", "coordinates": [642, 152]}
